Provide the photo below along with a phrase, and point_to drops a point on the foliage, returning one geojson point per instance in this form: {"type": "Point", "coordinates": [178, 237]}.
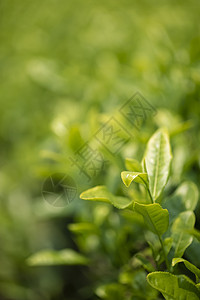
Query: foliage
{"type": "Point", "coordinates": [67, 67]}
{"type": "Point", "coordinates": [172, 237]}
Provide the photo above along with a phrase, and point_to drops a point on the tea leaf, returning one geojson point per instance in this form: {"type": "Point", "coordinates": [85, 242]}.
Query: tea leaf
{"type": "Point", "coordinates": [167, 243]}
{"type": "Point", "coordinates": [101, 193]}
{"type": "Point", "coordinates": [145, 262]}
{"type": "Point", "coordinates": [51, 257]}
{"type": "Point", "coordinates": [128, 177]}
{"type": "Point", "coordinates": [83, 228]}
{"type": "Point", "coordinates": [155, 217]}
{"type": "Point", "coordinates": [157, 162]}
{"type": "Point", "coordinates": [133, 165]}
{"type": "Point", "coordinates": [188, 265]}
{"type": "Point", "coordinates": [181, 238]}
{"type": "Point", "coordinates": [184, 198]}
{"type": "Point", "coordinates": [173, 287]}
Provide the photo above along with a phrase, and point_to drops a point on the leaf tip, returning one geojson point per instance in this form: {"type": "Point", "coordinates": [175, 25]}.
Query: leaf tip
{"type": "Point", "coordinates": [125, 179]}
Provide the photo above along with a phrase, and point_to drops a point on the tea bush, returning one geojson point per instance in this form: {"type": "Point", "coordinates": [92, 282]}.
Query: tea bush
{"type": "Point", "coordinates": [67, 67]}
{"type": "Point", "coordinates": [135, 251]}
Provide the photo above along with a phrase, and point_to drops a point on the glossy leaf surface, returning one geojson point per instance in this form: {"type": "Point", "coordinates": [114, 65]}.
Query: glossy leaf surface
{"type": "Point", "coordinates": [173, 287]}
{"type": "Point", "coordinates": [128, 177]}
{"type": "Point", "coordinates": [157, 162]}
{"type": "Point", "coordinates": [101, 193]}
{"type": "Point", "coordinates": [156, 218]}
{"type": "Point", "coordinates": [188, 265]}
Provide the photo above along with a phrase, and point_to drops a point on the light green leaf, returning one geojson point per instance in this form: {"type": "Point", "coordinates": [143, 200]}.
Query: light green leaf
{"type": "Point", "coordinates": [111, 291]}
{"type": "Point", "coordinates": [128, 177]}
{"type": "Point", "coordinates": [51, 257]}
{"type": "Point", "coordinates": [133, 165]}
{"type": "Point", "coordinates": [101, 193]}
{"type": "Point", "coordinates": [173, 287]}
{"type": "Point", "coordinates": [181, 238]}
{"type": "Point", "coordinates": [168, 244]}
{"type": "Point", "coordinates": [83, 228]}
{"type": "Point", "coordinates": [189, 193]}
{"type": "Point", "coordinates": [188, 265]}
{"type": "Point", "coordinates": [195, 233]}
{"type": "Point", "coordinates": [157, 161]}
{"type": "Point", "coordinates": [98, 193]}
{"type": "Point", "coordinates": [155, 217]}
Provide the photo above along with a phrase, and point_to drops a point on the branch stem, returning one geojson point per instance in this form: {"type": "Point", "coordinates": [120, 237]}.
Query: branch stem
{"type": "Point", "coordinates": [165, 256]}
{"type": "Point", "coordinates": [150, 195]}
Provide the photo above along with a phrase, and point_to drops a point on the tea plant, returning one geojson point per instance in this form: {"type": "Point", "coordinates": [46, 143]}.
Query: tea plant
{"type": "Point", "coordinates": [169, 228]}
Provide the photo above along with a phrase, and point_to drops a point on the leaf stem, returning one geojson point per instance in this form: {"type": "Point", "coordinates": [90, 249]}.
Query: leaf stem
{"type": "Point", "coordinates": [165, 256]}
{"type": "Point", "coordinates": [150, 195]}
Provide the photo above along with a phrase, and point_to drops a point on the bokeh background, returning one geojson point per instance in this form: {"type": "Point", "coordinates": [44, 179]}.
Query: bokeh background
{"type": "Point", "coordinates": [67, 67]}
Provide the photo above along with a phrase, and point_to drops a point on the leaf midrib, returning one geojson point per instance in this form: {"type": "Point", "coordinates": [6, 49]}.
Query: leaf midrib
{"type": "Point", "coordinates": [157, 165]}
{"type": "Point", "coordinates": [156, 231]}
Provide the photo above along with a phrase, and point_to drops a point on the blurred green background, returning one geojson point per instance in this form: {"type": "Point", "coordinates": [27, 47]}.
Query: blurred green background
{"type": "Point", "coordinates": [66, 67]}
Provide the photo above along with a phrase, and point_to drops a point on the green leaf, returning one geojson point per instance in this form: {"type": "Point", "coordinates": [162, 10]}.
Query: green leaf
{"type": "Point", "coordinates": [83, 228]}
{"type": "Point", "coordinates": [101, 193]}
{"type": "Point", "coordinates": [184, 198]}
{"type": "Point", "coordinates": [188, 265]}
{"type": "Point", "coordinates": [133, 165]}
{"type": "Point", "coordinates": [51, 257]}
{"type": "Point", "coordinates": [189, 193]}
{"type": "Point", "coordinates": [181, 238]}
{"type": "Point", "coordinates": [111, 291]}
{"type": "Point", "coordinates": [157, 162]}
{"type": "Point", "coordinates": [195, 233]}
{"type": "Point", "coordinates": [198, 286]}
{"type": "Point", "coordinates": [167, 247]}
{"type": "Point", "coordinates": [168, 244]}
{"type": "Point", "coordinates": [128, 177]}
{"type": "Point", "coordinates": [156, 218]}
{"type": "Point", "coordinates": [173, 287]}
{"type": "Point", "coordinates": [144, 262]}
{"type": "Point", "coordinates": [192, 253]}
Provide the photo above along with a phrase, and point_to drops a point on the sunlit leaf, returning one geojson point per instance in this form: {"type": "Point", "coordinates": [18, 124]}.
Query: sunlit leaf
{"type": "Point", "coordinates": [157, 161]}
{"type": "Point", "coordinates": [51, 257]}
{"type": "Point", "coordinates": [128, 177]}
{"type": "Point", "coordinates": [188, 265]}
{"type": "Point", "coordinates": [156, 218]}
{"type": "Point", "coordinates": [101, 193]}
{"type": "Point", "coordinates": [173, 287]}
